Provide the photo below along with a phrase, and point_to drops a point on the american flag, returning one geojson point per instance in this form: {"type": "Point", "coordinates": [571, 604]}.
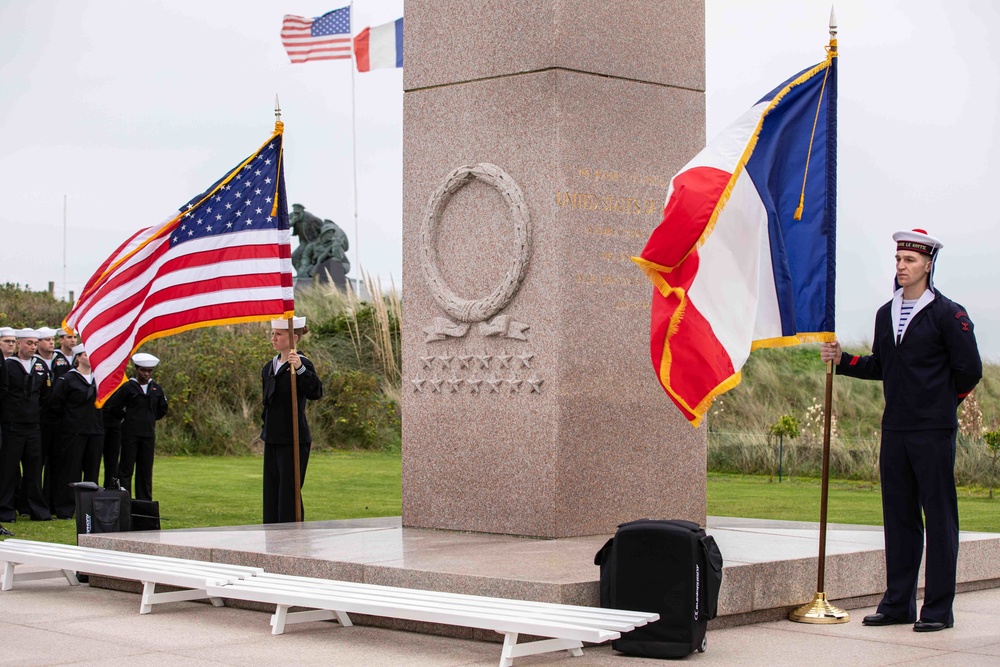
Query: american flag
{"type": "Point", "coordinates": [224, 257]}
{"type": "Point", "coordinates": [326, 37]}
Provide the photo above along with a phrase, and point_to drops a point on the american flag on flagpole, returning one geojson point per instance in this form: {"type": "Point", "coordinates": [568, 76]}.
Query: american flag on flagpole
{"type": "Point", "coordinates": [326, 37]}
{"type": "Point", "coordinates": [222, 258]}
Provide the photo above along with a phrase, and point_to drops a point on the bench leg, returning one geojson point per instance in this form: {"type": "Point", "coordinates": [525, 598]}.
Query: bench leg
{"type": "Point", "coordinates": [511, 649]}
{"type": "Point", "coordinates": [278, 619]}
{"type": "Point", "coordinates": [10, 576]}
{"type": "Point", "coordinates": [283, 617]}
{"type": "Point", "coordinates": [150, 597]}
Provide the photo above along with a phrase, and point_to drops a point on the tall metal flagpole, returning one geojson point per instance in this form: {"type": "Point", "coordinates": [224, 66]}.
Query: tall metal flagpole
{"type": "Point", "coordinates": [354, 148]}
{"type": "Point", "coordinates": [820, 611]}
{"type": "Point", "coordinates": [65, 286]}
{"type": "Point", "coordinates": [297, 473]}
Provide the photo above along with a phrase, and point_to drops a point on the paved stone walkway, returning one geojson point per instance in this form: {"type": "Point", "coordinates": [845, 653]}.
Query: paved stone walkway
{"type": "Point", "coordinates": [49, 623]}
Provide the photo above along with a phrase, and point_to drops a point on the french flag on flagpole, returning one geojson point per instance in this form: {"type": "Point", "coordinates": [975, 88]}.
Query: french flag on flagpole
{"type": "Point", "coordinates": [745, 257]}
{"type": "Point", "coordinates": [379, 46]}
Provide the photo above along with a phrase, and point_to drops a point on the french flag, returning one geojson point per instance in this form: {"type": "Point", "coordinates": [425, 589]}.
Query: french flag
{"type": "Point", "coordinates": [379, 46]}
{"type": "Point", "coordinates": [745, 257]}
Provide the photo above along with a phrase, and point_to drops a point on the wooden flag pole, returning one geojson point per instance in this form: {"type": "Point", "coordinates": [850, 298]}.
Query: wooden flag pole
{"type": "Point", "coordinates": [820, 610]}
{"type": "Point", "coordinates": [295, 428]}
{"type": "Point", "coordinates": [825, 482]}
{"type": "Point", "coordinates": [293, 376]}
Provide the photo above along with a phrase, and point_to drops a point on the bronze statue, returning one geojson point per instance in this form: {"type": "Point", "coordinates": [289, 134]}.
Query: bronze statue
{"type": "Point", "coordinates": [307, 227]}
{"type": "Point", "coordinates": [320, 241]}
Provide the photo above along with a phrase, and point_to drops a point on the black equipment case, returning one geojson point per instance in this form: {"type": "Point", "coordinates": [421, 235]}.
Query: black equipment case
{"type": "Point", "coordinates": [145, 514]}
{"type": "Point", "coordinates": [101, 510]}
{"type": "Point", "coordinates": [669, 567]}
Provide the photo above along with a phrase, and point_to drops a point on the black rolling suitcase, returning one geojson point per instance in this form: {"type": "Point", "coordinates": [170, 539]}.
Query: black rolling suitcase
{"type": "Point", "coordinates": [669, 567]}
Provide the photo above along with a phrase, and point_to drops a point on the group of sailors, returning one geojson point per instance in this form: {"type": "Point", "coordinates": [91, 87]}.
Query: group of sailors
{"type": "Point", "coordinates": [52, 433]}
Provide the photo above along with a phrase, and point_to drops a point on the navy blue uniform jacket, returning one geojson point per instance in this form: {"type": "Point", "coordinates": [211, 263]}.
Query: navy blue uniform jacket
{"type": "Point", "coordinates": [277, 396]}
{"type": "Point", "coordinates": [930, 371]}
{"type": "Point", "coordinates": [73, 397]}
{"type": "Point", "coordinates": [23, 392]}
{"type": "Point", "coordinates": [142, 410]}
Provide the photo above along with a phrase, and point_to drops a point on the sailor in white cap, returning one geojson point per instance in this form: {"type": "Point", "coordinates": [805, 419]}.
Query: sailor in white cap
{"type": "Point", "coordinates": [8, 343]}
{"type": "Point", "coordinates": [926, 356]}
{"type": "Point", "coordinates": [20, 408]}
{"type": "Point", "coordinates": [279, 464]}
{"type": "Point", "coordinates": [47, 352]}
{"type": "Point", "coordinates": [82, 437]}
{"type": "Point", "coordinates": [51, 419]}
{"type": "Point", "coordinates": [67, 341]}
{"type": "Point", "coordinates": [143, 403]}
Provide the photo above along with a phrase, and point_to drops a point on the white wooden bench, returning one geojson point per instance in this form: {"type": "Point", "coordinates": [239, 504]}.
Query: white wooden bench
{"type": "Point", "coordinates": [566, 626]}
{"type": "Point", "coordinates": [66, 560]}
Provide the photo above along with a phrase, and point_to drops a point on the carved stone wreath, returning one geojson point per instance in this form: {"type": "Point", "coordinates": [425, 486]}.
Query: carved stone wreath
{"type": "Point", "coordinates": [476, 310]}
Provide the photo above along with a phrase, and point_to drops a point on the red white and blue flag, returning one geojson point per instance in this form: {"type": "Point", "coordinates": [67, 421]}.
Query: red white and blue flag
{"type": "Point", "coordinates": [222, 258]}
{"type": "Point", "coordinates": [745, 257]}
{"type": "Point", "coordinates": [326, 37]}
{"type": "Point", "coordinates": [379, 46]}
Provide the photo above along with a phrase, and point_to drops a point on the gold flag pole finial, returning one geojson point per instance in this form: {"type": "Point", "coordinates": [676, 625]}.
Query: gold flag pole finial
{"type": "Point", "coordinates": [278, 125]}
{"type": "Point", "coordinates": [833, 31]}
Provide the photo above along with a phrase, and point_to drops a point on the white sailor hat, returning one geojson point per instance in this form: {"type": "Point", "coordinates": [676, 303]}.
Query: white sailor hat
{"type": "Point", "coordinates": [297, 323]}
{"type": "Point", "coordinates": [143, 360]}
{"type": "Point", "coordinates": [65, 331]}
{"type": "Point", "coordinates": [26, 333]}
{"type": "Point", "coordinates": [6, 331]}
{"type": "Point", "coordinates": [77, 349]}
{"type": "Point", "coordinates": [917, 240]}
{"type": "Point", "coordinates": [46, 332]}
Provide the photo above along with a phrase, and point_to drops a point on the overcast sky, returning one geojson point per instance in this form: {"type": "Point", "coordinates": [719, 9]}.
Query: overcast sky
{"type": "Point", "coordinates": [130, 108]}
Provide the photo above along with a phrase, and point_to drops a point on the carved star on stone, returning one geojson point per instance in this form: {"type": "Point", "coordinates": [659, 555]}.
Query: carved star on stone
{"type": "Point", "coordinates": [473, 385]}
{"type": "Point", "coordinates": [504, 360]}
{"type": "Point", "coordinates": [515, 385]}
{"type": "Point", "coordinates": [494, 385]}
{"type": "Point", "coordinates": [517, 329]}
{"type": "Point", "coordinates": [535, 384]}
{"type": "Point", "coordinates": [484, 360]}
{"type": "Point", "coordinates": [418, 384]}
{"type": "Point", "coordinates": [526, 359]}
{"type": "Point", "coordinates": [428, 361]}
{"type": "Point", "coordinates": [454, 384]}
{"type": "Point", "coordinates": [436, 385]}
{"type": "Point", "coordinates": [446, 360]}
{"type": "Point", "coordinates": [465, 361]}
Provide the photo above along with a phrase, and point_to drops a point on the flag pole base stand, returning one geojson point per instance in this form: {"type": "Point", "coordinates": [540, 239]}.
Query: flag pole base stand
{"type": "Point", "coordinates": [819, 611]}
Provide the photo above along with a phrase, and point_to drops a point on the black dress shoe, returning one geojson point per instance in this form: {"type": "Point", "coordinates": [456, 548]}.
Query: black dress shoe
{"type": "Point", "coordinates": [930, 626]}
{"type": "Point", "coordinates": [883, 619]}
{"type": "Point", "coordinates": [4, 531]}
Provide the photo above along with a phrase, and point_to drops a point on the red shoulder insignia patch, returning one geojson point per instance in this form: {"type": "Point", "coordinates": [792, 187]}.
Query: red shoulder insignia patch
{"type": "Point", "coordinates": [960, 314]}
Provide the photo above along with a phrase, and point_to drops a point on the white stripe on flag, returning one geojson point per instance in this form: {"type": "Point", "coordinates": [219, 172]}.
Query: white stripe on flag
{"type": "Point", "coordinates": [726, 290]}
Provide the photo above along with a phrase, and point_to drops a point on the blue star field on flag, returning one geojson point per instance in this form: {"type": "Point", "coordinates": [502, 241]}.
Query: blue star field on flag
{"type": "Point", "coordinates": [337, 22]}
{"type": "Point", "coordinates": [245, 202]}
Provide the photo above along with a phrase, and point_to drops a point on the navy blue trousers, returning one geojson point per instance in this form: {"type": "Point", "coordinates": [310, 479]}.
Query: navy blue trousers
{"type": "Point", "coordinates": [279, 481]}
{"type": "Point", "coordinates": [917, 469]}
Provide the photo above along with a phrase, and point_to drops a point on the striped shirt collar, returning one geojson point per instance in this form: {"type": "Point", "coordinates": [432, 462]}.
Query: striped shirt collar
{"type": "Point", "coordinates": [897, 309]}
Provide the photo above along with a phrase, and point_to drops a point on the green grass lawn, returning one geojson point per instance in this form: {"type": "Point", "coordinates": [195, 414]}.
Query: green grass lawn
{"type": "Point", "coordinates": [849, 502]}
{"type": "Point", "coordinates": [199, 491]}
